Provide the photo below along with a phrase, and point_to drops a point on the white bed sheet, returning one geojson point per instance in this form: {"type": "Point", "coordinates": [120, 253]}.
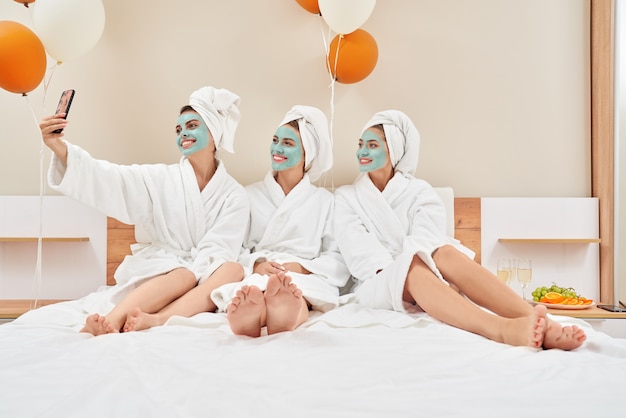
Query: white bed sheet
{"type": "Point", "coordinates": [349, 362]}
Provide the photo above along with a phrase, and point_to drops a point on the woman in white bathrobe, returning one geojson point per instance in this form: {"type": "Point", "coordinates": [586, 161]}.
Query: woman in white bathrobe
{"type": "Point", "coordinates": [391, 231]}
{"type": "Point", "coordinates": [190, 218]}
{"type": "Point", "coordinates": [290, 255]}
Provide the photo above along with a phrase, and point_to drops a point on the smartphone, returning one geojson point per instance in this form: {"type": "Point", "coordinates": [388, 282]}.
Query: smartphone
{"type": "Point", "coordinates": [612, 308]}
{"type": "Point", "coordinates": [64, 105]}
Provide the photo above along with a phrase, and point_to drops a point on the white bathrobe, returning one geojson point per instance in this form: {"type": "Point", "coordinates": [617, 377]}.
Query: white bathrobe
{"type": "Point", "coordinates": [176, 224]}
{"type": "Point", "coordinates": [296, 228]}
{"type": "Point", "coordinates": [383, 231]}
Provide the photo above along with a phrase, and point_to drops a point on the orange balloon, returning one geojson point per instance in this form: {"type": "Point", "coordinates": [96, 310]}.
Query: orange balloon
{"type": "Point", "coordinates": [22, 58]}
{"type": "Point", "coordinates": [308, 5]}
{"type": "Point", "coordinates": [356, 59]}
{"type": "Point", "coordinates": [25, 2]}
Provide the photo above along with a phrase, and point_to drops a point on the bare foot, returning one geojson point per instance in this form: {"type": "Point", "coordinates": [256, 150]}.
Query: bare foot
{"type": "Point", "coordinates": [92, 325]}
{"type": "Point", "coordinates": [539, 324]}
{"type": "Point", "coordinates": [527, 331]}
{"type": "Point", "coordinates": [98, 325]}
{"type": "Point", "coordinates": [565, 338]}
{"type": "Point", "coordinates": [286, 308]}
{"type": "Point", "coordinates": [108, 328]}
{"type": "Point", "coordinates": [246, 312]}
{"type": "Point", "coordinates": [137, 320]}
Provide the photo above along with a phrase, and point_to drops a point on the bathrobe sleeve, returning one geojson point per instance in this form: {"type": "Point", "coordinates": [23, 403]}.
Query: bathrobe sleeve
{"type": "Point", "coordinates": [88, 180]}
{"type": "Point", "coordinates": [362, 251]}
{"type": "Point", "coordinates": [427, 223]}
{"type": "Point", "coordinates": [223, 240]}
{"type": "Point", "coordinates": [176, 224]}
{"type": "Point", "coordinates": [426, 218]}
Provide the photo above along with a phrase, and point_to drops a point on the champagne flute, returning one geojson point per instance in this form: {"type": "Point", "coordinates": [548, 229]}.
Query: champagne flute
{"type": "Point", "coordinates": [524, 274]}
{"type": "Point", "coordinates": [513, 270]}
{"type": "Point", "coordinates": [504, 270]}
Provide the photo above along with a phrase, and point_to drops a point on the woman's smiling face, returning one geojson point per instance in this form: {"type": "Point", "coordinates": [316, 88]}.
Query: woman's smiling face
{"type": "Point", "coordinates": [286, 149]}
{"type": "Point", "coordinates": [192, 134]}
{"type": "Point", "coordinates": [372, 153]}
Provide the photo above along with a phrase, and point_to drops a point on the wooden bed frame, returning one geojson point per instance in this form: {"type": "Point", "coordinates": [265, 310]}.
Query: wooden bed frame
{"type": "Point", "coordinates": [466, 229]}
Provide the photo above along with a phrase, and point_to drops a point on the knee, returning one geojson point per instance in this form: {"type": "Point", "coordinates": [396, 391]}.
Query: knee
{"type": "Point", "coordinates": [417, 268]}
{"type": "Point", "coordinates": [418, 272]}
{"type": "Point", "coordinates": [233, 269]}
{"type": "Point", "coordinates": [185, 275]}
{"type": "Point", "coordinates": [190, 275]}
{"type": "Point", "coordinates": [444, 252]}
{"type": "Point", "coordinates": [417, 262]}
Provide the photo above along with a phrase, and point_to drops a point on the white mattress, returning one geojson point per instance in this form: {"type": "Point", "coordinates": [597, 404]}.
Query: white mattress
{"type": "Point", "coordinates": [349, 362]}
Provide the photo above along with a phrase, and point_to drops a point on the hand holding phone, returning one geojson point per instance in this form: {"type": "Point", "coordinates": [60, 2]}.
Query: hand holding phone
{"type": "Point", "coordinates": [64, 106]}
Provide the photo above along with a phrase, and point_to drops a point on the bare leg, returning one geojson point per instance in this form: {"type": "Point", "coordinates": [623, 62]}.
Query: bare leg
{"type": "Point", "coordinates": [195, 301]}
{"type": "Point", "coordinates": [445, 304]}
{"type": "Point", "coordinates": [149, 296]}
{"type": "Point", "coordinates": [286, 308]}
{"type": "Point", "coordinates": [246, 312]}
{"type": "Point", "coordinates": [479, 284]}
{"type": "Point", "coordinates": [484, 289]}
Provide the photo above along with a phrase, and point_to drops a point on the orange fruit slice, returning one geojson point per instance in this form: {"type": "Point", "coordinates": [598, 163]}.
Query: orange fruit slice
{"type": "Point", "coordinates": [554, 297]}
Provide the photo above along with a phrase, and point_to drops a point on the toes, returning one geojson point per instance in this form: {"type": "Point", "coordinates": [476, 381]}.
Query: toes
{"type": "Point", "coordinates": [233, 305]}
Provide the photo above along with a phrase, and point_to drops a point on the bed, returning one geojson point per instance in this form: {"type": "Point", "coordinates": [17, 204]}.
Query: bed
{"type": "Point", "coordinates": [350, 362]}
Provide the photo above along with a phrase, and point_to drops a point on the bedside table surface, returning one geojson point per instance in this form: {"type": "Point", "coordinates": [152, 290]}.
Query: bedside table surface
{"type": "Point", "coordinates": [12, 308]}
{"type": "Point", "coordinates": [593, 312]}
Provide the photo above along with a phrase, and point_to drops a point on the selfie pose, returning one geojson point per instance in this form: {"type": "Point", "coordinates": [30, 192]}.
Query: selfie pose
{"type": "Point", "coordinates": [290, 257]}
{"type": "Point", "coordinates": [391, 231]}
{"type": "Point", "coordinates": [190, 218]}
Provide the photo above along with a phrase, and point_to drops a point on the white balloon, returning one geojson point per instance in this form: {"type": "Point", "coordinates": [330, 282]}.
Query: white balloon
{"type": "Point", "coordinates": [346, 16]}
{"type": "Point", "coordinates": [68, 28]}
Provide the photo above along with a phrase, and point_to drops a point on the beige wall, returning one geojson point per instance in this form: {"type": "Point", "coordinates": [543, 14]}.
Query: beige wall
{"type": "Point", "coordinates": [499, 89]}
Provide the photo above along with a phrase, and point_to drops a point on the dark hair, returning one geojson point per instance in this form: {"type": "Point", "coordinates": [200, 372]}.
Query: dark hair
{"type": "Point", "coordinates": [294, 125]}
{"type": "Point", "coordinates": [187, 108]}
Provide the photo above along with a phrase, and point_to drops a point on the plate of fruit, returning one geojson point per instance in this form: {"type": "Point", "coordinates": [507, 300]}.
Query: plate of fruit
{"type": "Point", "coordinates": [557, 297]}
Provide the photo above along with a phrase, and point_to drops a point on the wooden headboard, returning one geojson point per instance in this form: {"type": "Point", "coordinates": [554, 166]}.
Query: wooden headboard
{"type": "Point", "coordinates": [466, 229]}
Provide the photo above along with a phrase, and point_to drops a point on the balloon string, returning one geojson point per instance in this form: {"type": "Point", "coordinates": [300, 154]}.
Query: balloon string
{"type": "Point", "coordinates": [322, 182]}
{"type": "Point", "coordinates": [331, 127]}
{"type": "Point", "coordinates": [333, 82]}
{"type": "Point", "coordinates": [324, 42]}
{"type": "Point", "coordinates": [37, 282]}
{"type": "Point", "coordinates": [332, 92]}
{"type": "Point", "coordinates": [46, 84]}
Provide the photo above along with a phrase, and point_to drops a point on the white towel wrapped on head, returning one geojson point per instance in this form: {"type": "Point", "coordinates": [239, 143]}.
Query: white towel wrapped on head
{"type": "Point", "coordinates": [218, 109]}
{"type": "Point", "coordinates": [313, 127]}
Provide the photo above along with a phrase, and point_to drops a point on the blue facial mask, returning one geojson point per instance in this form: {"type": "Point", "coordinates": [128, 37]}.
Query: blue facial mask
{"type": "Point", "coordinates": [286, 148]}
{"type": "Point", "coordinates": [372, 154]}
{"type": "Point", "coordinates": [193, 135]}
